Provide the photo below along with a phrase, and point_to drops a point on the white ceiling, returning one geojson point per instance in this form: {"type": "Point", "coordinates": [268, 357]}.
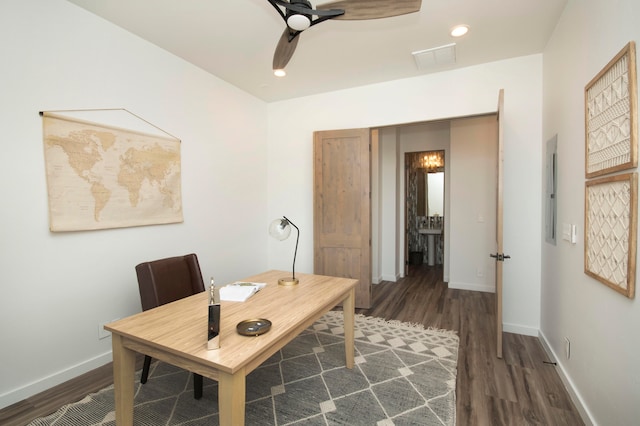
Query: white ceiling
{"type": "Point", "coordinates": [235, 39]}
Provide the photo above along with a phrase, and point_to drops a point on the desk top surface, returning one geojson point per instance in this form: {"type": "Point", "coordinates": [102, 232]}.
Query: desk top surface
{"type": "Point", "coordinates": [180, 327]}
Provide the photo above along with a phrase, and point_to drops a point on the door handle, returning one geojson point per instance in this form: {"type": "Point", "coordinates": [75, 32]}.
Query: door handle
{"type": "Point", "coordinates": [500, 257]}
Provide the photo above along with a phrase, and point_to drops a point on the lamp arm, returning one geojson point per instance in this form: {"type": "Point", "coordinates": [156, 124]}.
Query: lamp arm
{"type": "Point", "coordinates": [295, 253]}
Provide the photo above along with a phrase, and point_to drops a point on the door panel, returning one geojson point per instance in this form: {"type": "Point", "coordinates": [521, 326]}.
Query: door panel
{"type": "Point", "coordinates": [342, 214]}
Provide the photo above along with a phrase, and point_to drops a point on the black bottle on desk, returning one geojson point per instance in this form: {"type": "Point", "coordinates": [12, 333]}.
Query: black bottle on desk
{"type": "Point", "coordinates": [213, 334]}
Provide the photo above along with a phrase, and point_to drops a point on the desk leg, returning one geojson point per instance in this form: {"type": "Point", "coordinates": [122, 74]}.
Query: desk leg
{"type": "Point", "coordinates": [348, 308]}
{"type": "Point", "coordinates": [231, 398]}
{"type": "Point", "coordinates": [124, 364]}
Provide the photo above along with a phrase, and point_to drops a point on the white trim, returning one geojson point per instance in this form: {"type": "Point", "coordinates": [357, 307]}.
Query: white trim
{"type": "Point", "coordinates": [33, 388]}
{"type": "Point", "coordinates": [568, 383]}
{"type": "Point", "coordinates": [520, 329]}
{"type": "Point", "coordinates": [473, 287]}
{"type": "Point", "coordinates": [392, 278]}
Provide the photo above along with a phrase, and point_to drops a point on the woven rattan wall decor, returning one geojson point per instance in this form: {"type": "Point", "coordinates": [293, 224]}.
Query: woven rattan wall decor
{"type": "Point", "coordinates": [610, 231]}
{"type": "Point", "coordinates": [611, 123]}
{"type": "Point", "coordinates": [611, 136]}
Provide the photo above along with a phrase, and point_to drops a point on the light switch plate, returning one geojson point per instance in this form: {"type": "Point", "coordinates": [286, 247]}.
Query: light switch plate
{"type": "Point", "coordinates": [570, 232]}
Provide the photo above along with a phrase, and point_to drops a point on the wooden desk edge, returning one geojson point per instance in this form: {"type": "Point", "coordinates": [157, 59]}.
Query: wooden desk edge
{"type": "Point", "coordinates": [195, 366]}
{"type": "Point", "coordinates": [125, 347]}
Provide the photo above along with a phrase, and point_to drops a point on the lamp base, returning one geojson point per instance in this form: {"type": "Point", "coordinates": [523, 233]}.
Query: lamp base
{"type": "Point", "coordinates": [288, 281]}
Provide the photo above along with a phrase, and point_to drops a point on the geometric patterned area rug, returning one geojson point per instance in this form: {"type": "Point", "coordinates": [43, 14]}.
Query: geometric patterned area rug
{"type": "Point", "coordinates": [404, 375]}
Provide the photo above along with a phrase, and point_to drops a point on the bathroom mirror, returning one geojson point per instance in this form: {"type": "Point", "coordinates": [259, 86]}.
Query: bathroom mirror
{"type": "Point", "coordinates": [430, 183]}
{"type": "Point", "coordinates": [435, 193]}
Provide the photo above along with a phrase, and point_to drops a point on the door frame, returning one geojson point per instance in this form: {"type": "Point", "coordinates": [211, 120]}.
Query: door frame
{"type": "Point", "coordinates": [500, 256]}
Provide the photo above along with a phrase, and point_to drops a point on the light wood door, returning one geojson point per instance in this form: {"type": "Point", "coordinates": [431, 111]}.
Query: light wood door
{"type": "Point", "coordinates": [499, 256]}
{"type": "Point", "coordinates": [406, 215]}
{"type": "Point", "coordinates": [341, 208]}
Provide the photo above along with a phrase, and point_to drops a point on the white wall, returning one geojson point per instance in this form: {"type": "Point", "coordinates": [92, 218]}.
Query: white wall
{"type": "Point", "coordinates": [390, 269]}
{"type": "Point", "coordinates": [601, 324]}
{"type": "Point", "coordinates": [57, 287]}
{"type": "Point", "coordinates": [462, 92]}
{"type": "Point", "coordinates": [472, 230]}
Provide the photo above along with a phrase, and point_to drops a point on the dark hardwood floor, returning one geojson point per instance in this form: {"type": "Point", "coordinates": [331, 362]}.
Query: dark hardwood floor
{"type": "Point", "coordinates": [519, 389]}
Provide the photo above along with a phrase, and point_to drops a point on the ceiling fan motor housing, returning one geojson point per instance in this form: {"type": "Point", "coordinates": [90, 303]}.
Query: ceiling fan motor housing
{"type": "Point", "coordinates": [304, 3]}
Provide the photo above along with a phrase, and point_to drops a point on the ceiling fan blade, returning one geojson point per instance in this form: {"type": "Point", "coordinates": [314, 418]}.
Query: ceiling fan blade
{"type": "Point", "coordinates": [372, 9]}
{"type": "Point", "coordinates": [285, 49]}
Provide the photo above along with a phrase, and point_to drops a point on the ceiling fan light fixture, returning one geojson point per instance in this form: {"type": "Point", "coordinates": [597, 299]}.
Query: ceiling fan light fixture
{"type": "Point", "coordinates": [299, 15]}
{"type": "Point", "coordinates": [279, 73]}
{"type": "Point", "coordinates": [298, 22]}
{"type": "Point", "coordinates": [459, 30]}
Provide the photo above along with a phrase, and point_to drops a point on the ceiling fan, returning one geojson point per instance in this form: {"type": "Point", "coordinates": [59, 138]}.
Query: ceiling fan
{"type": "Point", "coordinates": [300, 15]}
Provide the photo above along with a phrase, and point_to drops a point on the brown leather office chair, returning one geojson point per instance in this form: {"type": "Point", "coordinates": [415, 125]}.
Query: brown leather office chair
{"type": "Point", "coordinates": [167, 280]}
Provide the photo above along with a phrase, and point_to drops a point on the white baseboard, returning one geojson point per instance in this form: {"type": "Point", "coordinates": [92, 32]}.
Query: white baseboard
{"type": "Point", "coordinates": [486, 288]}
{"type": "Point", "coordinates": [392, 278]}
{"type": "Point", "coordinates": [568, 383]}
{"type": "Point", "coordinates": [41, 385]}
{"type": "Point", "coordinates": [520, 329]}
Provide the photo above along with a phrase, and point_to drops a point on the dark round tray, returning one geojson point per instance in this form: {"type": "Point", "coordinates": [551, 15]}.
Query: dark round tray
{"type": "Point", "coordinates": [253, 327]}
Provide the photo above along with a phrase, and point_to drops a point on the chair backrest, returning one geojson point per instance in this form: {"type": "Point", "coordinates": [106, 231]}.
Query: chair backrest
{"type": "Point", "coordinates": [166, 280]}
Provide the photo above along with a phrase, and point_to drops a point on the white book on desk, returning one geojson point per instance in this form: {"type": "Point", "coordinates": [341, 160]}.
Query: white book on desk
{"type": "Point", "coordinates": [240, 291]}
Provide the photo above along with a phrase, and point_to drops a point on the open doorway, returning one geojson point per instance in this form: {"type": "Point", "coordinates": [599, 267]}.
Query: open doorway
{"type": "Point", "coordinates": [389, 230]}
{"type": "Point", "coordinates": [424, 208]}
{"type": "Point", "coordinates": [469, 216]}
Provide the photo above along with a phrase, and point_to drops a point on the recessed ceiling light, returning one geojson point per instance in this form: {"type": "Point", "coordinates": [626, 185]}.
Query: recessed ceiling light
{"type": "Point", "coordinates": [459, 30]}
{"type": "Point", "coordinates": [279, 73]}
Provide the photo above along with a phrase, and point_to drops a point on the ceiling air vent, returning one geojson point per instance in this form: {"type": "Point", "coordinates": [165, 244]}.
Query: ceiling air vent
{"type": "Point", "coordinates": [435, 57]}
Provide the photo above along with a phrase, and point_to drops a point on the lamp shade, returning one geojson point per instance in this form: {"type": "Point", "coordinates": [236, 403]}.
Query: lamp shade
{"type": "Point", "coordinates": [280, 229]}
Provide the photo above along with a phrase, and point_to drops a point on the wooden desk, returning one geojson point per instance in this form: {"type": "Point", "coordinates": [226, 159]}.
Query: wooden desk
{"type": "Point", "coordinates": [176, 333]}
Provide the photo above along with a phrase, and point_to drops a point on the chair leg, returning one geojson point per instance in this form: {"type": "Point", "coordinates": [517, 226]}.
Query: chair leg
{"type": "Point", "coordinates": [145, 369]}
{"type": "Point", "coordinates": [197, 386]}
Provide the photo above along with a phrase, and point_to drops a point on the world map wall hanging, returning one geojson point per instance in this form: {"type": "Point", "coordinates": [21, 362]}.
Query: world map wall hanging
{"type": "Point", "coordinates": [101, 176]}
